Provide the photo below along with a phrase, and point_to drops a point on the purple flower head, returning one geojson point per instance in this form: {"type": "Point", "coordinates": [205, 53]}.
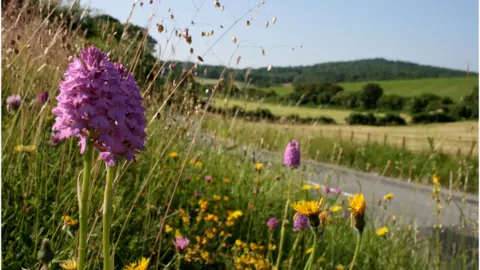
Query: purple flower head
{"type": "Point", "coordinates": [187, 179]}
{"type": "Point", "coordinates": [345, 214]}
{"type": "Point", "coordinates": [291, 158]}
{"type": "Point", "coordinates": [14, 101]}
{"type": "Point", "coordinates": [326, 189]}
{"type": "Point", "coordinates": [208, 178]}
{"type": "Point", "coordinates": [43, 97]}
{"type": "Point", "coordinates": [197, 194]}
{"type": "Point", "coordinates": [300, 223]}
{"type": "Point", "coordinates": [181, 243]}
{"type": "Point", "coordinates": [272, 223]}
{"type": "Point", "coordinates": [337, 191]}
{"type": "Point", "coordinates": [100, 101]}
{"type": "Point", "coordinates": [55, 139]}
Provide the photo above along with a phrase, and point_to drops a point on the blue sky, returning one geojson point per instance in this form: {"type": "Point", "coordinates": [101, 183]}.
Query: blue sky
{"type": "Point", "coordinates": [434, 32]}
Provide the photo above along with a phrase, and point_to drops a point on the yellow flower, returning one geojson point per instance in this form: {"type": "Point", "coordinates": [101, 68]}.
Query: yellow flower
{"type": "Point", "coordinates": [236, 214]}
{"type": "Point", "coordinates": [178, 233]}
{"type": "Point", "coordinates": [140, 265]}
{"type": "Point", "coordinates": [339, 267]}
{"type": "Point", "coordinates": [272, 247]}
{"type": "Point", "coordinates": [217, 198]}
{"type": "Point", "coordinates": [382, 231]}
{"type": "Point", "coordinates": [317, 187]}
{"type": "Point", "coordinates": [74, 222]}
{"type": "Point", "coordinates": [436, 179]}
{"type": "Point", "coordinates": [258, 166]}
{"type": "Point", "coordinates": [388, 196]}
{"type": "Point", "coordinates": [226, 198]}
{"type": "Point", "coordinates": [308, 208]}
{"type": "Point", "coordinates": [309, 251]}
{"type": "Point", "coordinates": [335, 208]}
{"type": "Point", "coordinates": [227, 180]}
{"type": "Point", "coordinates": [173, 155]}
{"type": "Point", "coordinates": [198, 164]}
{"type": "Point", "coordinates": [321, 260]}
{"type": "Point", "coordinates": [69, 265]}
{"type": "Point", "coordinates": [306, 187]}
{"type": "Point", "coordinates": [168, 228]}
{"type": "Point", "coordinates": [66, 219]}
{"type": "Point", "coordinates": [25, 148]}
{"type": "Point", "coordinates": [205, 255]}
{"type": "Point", "coordinates": [357, 204]}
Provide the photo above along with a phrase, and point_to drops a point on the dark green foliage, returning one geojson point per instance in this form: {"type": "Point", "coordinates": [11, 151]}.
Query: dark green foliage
{"type": "Point", "coordinates": [369, 95]}
{"type": "Point", "coordinates": [391, 119]}
{"type": "Point", "coordinates": [361, 119]}
{"type": "Point", "coordinates": [391, 102]}
{"type": "Point", "coordinates": [427, 118]}
{"type": "Point", "coordinates": [471, 102]}
{"type": "Point", "coordinates": [314, 93]}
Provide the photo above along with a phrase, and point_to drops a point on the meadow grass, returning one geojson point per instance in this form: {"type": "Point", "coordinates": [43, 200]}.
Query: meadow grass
{"type": "Point", "coordinates": [212, 196]}
{"type": "Point", "coordinates": [455, 88]}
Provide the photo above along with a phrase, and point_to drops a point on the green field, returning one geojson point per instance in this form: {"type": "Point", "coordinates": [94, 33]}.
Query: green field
{"type": "Point", "coordinates": [337, 114]}
{"type": "Point", "coordinates": [454, 88]}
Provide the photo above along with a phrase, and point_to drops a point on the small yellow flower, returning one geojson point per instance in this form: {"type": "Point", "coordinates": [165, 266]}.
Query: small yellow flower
{"type": "Point", "coordinates": [236, 214]}
{"type": "Point", "coordinates": [140, 265]}
{"type": "Point", "coordinates": [173, 155]}
{"type": "Point", "coordinates": [258, 166]}
{"type": "Point", "coordinates": [198, 164]}
{"type": "Point", "coordinates": [168, 228]}
{"type": "Point", "coordinates": [436, 179]}
{"type": "Point", "coordinates": [178, 233]}
{"type": "Point", "coordinates": [74, 222]}
{"type": "Point", "coordinates": [25, 148]}
{"type": "Point", "coordinates": [388, 196]}
{"type": "Point", "coordinates": [272, 247]}
{"type": "Point", "coordinates": [317, 187]}
{"type": "Point", "coordinates": [69, 265]}
{"type": "Point", "coordinates": [226, 198]}
{"type": "Point", "coordinates": [382, 231]}
{"type": "Point", "coordinates": [66, 219]}
{"type": "Point", "coordinates": [227, 180]}
{"type": "Point", "coordinates": [309, 251]}
{"type": "Point", "coordinates": [357, 204]}
{"type": "Point", "coordinates": [321, 260]}
{"type": "Point", "coordinates": [339, 267]}
{"type": "Point", "coordinates": [306, 187]}
{"type": "Point", "coordinates": [308, 208]}
{"type": "Point", "coordinates": [335, 208]}
{"type": "Point", "coordinates": [217, 198]}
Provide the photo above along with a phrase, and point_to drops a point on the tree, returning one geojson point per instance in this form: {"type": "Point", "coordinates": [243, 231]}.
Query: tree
{"type": "Point", "coordinates": [369, 95]}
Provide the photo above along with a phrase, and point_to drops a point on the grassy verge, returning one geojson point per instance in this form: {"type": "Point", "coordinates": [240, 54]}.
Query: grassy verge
{"type": "Point", "coordinates": [373, 156]}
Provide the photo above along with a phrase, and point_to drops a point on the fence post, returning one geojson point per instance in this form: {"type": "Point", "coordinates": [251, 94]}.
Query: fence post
{"type": "Point", "coordinates": [385, 137]}
{"type": "Point", "coordinates": [471, 149]}
{"type": "Point", "coordinates": [404, 142]}
{"type": "Point", "coordinates": [351, 136]}
{"type": "Point", "coordinates": [368, 138]}
{"type": "Point", "coordinates": [431, 143]}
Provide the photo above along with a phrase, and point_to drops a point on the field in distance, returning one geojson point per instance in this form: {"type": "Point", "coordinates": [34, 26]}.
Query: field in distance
{"type": "Point", "coordinates": [455, 88]}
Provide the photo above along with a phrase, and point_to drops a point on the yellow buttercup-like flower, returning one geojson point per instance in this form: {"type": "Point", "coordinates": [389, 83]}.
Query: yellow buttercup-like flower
{"type": "Point", "coordinates": [339, 267]}
{"type": "Point", "coordinates": [69, 265]}
{"type": "Point", "coordinates": [306, 187]}
{"type": "Point", "coordinates": [168, 228]}
{"type": "Point", "coordinates": [173, 155]}
{"type": "Point", "coordinates": [436, 179]}
{"type": "Point", "coordinates": [308, 208]}
{"type": "Point", "coordinates": [227, 180]}
{"type": "Point", "coordinates": [382, 231]}
{"type": "Point", "coordinates": [198, 164]}
{"type": "Point", "coordinates": [217, 198]}
{"type": "Point", "coordinates": [258, 166]}
{"type": "Point", "coordinates": [388, 196]}
{"type": "Point", "coordinates": [140, 265]}
{"type": "Point", "coordinates": [321, 260]}
{"type": "Point", "coordinates": [308, 251]}
{"type": "Point", "coordinates": [357, 204]}
{"type": "Point", "coordinates": [335, 208]}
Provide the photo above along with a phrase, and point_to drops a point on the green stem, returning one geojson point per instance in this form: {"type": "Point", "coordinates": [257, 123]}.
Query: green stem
{"type": "Point", "coordinates": [83, 205]}
{"type": "Point", "coordinates": [284, 220]}
{"type": "Point", "coordinates": [268, 245]}
{"type": "Point", "coordinates": [107, 216]}
{"type": "Point", "coordinates": [294, 248]}
{"type": "Point", "coordinates": [312, 255]}
{"type": "Point", "coordinates": [357, 249]}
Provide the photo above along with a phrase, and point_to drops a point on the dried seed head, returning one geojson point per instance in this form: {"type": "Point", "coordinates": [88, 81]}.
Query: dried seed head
{"type": "Point", "coordinates": [262, 2]}
{"type": "Point", "coordinates": [238, 59]}
{"type": "Point", "coordinates": [191, 50]}
{"type": "Point", "coordinates": [263, 51]}
{"type": "Point", "coordinates": [189, 39]}
{"type": "Point", "coordinates": [19, 37]}
{"type": "Point", "coordinates": [216, 3]}
{"type": "Point", "coordinates": [248, 23]}
{"type": "Point", "coordinates": [12, 42]}
{"type": "Point", "coordinates": [151, 2]}
{"type": "Point", "coordinates": [269, 68]}
{"type": "Point", "coordinates": [172, 17]}
{"type": "Point", "coordinates": [202, 34]}
{"type": "Point", "coordinates": [141, 4]}
{"type": "Point", "coordinates": [160, 28]}
{"type": "Point", "coordinates": [200, 58]}
{"type": "Point", "coordinates": [266, 24]}
{"type": "Point", "coordinates": [169, 10]}
{"type": "Point", "coordinates": [211, 33]}
{"type": "Point", "coordinates": [274, 20]}
{"type": "Point", "coordinates": [222, 8]}
{"type": "Point", "coordinates": [234, 39]}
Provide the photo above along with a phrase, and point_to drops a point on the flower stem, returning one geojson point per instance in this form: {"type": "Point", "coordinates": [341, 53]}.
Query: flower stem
{"type": "Point", "coordinates": [83, 206]}
{"type": "Point", "coordinates": [294, 248]}
{"type": "Point", "coordinates": [284, 220]}
{"type": "Point", "coordinates": [107, 215]}
{"type": "Point", "coordinates": [357, 249]}
{"type": "Point", "coordinates": [312, 255]}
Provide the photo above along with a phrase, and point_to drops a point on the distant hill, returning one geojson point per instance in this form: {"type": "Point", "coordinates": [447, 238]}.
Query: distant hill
{"type": "Point", "coordinates": [377, 69]}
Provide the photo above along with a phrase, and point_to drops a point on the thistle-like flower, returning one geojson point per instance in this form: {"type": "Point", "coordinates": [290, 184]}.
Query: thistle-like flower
{"type": "Point", "coordinates": [100, 101]}
{"type": "Point", "coordinates": [14, 102]}
{"type": "Point", "coordinates": [181, 243]}
{"type": "Point", "coordinates": [357, 208]}
{"type": "Point", "coordinates": [291, 158]}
